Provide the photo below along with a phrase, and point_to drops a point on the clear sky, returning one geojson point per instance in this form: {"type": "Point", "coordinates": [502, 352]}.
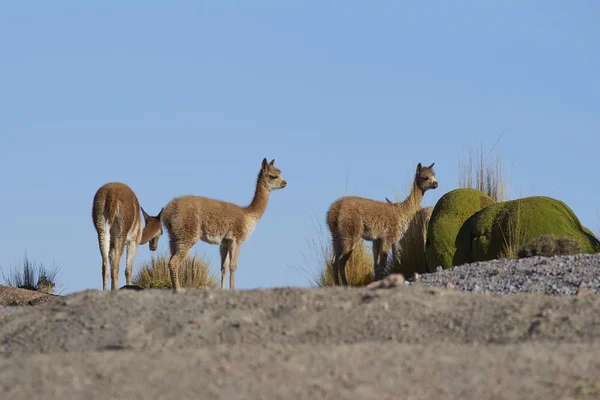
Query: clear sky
{"type": "Point", "coordinates": [188, 97]}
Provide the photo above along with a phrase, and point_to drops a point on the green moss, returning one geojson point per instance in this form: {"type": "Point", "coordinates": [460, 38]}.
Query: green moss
{"type": "Point", "coordinates": [447, 218]}
{"type": "Point", "coordinates": [502, 227]}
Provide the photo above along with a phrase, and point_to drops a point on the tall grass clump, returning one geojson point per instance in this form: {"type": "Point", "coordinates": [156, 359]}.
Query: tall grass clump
{"type": "Point", "coordinates": [359, 268]}
{"type": "Point", "coordinates": [484, 171]}
{"type": "Point", "coordinates": [408, 255]}
{"type": "Point", "coordinates": [33, 276]}
{"type": "Point", "coordinates": [194, 272]}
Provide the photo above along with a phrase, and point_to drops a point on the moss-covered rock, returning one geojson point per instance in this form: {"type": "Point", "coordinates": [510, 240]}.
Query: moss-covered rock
{"type": "Point", "coordinates": [502, 228]}
{"type": "Point", "coordinates": [447, 218]}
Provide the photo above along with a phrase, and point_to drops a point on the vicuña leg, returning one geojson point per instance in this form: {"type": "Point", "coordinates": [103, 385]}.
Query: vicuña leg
{"type": "Point", "coordinates": [131, 250]}
{"type": "Point", "coordinates": [383, 255]}
{"type": "Point", "coordinates": [234, 252]}
{"type": "Point", "coordinates": [104, 244]}
{"type": "Point", "coordinates": [115, 255]}
{"type": "Point", "coordinates": [347, 249]}
{"type": "Point", "coordinates": [178, 253]}
{"type": "Point", "coordinates": [225, 260]}
{"type": "Point", "coordinates": [376, 255]}
{"type": "Point", "coordinates": [337, 252]}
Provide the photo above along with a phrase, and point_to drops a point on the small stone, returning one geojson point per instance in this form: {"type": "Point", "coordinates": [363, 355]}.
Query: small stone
{"type": "Point", "coordinates": [390, 281]}
{"type": "Point", "coordinates": [416, 277]}
{"type": "Point", "coordinates": [583, 291]}
{"type": "Point", "coordinates": [449, 285]}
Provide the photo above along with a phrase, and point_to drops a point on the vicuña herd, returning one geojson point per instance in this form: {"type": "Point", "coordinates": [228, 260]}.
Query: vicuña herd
{"type": "Point", "coordinates": [116, 216]}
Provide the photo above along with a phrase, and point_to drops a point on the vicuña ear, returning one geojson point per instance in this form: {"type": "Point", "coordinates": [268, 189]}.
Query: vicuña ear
{"type": "Point", "coordinates": [146, 216]}
{"type": "Point", "coordinates": [160, 214]}
{"type": "Point", "coordinates": [431, 166]}
{"type": "Point", "coordinates": [272, 162]}
{"type": "Point", "coordinates": [388, 200]}
{"type": "Point", "coordinates": [419, 167]}
{"type": "Point", "coordinates": [264, 163]}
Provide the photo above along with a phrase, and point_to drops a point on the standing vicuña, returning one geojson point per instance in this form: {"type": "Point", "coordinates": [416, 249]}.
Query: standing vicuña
{"type": "Point", "coordinates": [116, 215]}
{"type": "Point", "coordinates": [351, 218]}
{"type": "Point", "coordinates": [192, 218]}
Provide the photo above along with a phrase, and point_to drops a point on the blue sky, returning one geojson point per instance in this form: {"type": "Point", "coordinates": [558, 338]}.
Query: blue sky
{"type": "Point", "coordinates": [187, 97]}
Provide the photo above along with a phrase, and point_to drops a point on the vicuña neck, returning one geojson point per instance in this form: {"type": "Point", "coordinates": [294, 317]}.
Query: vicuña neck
{"type": "Point", "coordinates": [413, 202]}
{"type": "Point", "coordinates": [259, 202]}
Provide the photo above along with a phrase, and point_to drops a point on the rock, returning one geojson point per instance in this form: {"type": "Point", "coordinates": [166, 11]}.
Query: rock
{"type": "Point", "coordinates": [131, 287]}
{"type": "Point", "coordinates": [12, 296]}
{"type": "Point", "coordinates": [583, 291]}
{"type": "Point", "coordinates": [550, 245]}
{"type": "Point", "coordinates": [390, 281]}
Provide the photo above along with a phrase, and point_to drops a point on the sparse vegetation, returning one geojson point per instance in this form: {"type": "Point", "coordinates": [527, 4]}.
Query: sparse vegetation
{"type": "Point", "coordinates": [32, 276]}
{"type": "Point", "coordinates": [193, 273]}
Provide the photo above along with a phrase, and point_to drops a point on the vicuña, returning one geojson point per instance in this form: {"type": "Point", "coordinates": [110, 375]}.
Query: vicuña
{"type": "Point", "coordinates": [116, 216]}
{"type": "Point", "coordinates": [351, 218]}
{"type": "Point", "coordinates": [192, 218]}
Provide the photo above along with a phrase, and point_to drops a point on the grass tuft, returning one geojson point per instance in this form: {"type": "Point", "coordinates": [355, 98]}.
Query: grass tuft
{"type": "Point", "coordinates": [408, 255]}
{"type": "Point", "coordinates": [33, 276]}
{"type": "Point", "coordinates": [359, 268]}
{"type": "Point", "coordinates": [194, 272]}
{"type": "Point", "coordinates": [483, 171]}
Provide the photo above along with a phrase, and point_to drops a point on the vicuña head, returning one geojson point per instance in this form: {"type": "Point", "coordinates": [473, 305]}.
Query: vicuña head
{"type": "Point", "coordinates": [116, 216]}
{"type": "Point", "coordinates": [153, 228]}
{"type": "Point", "coordinates": [353, 218]}
{"type": "Point", "coordinates": [192, 218]}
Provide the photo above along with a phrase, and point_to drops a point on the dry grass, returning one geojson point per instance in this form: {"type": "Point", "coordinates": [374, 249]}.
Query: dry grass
{"type": "Point", "coordinates": [33, 276]}
{"type": "Point", "coordinates": [485, 172]}
{"type": "Point", "coordinates": [194, 272]}
{"type": "Point", "coordinates": [359, 268]}
{"type": "Point", "coordinates": [408, 255]}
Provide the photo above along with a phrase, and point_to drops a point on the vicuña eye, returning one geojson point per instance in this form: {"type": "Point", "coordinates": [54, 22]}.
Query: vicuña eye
{"type": "Point", "coordinates": [426, 178]}
{"type": "Point", "coordinates": [272, 177]}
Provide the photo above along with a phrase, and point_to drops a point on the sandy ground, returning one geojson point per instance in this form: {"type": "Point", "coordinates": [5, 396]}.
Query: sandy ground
{"type": "Point", "coordinates": [411, 342]}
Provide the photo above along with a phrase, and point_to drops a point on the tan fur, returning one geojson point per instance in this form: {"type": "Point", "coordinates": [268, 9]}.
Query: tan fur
{"type": "Point", "coordinates": [353, 218]}
{"type": "Point", "coordinates": [192, 218]}
{"type": "Point", "coordinates": [116, 216]}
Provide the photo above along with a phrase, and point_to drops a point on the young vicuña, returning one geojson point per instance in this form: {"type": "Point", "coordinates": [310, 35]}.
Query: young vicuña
{"type": "Point", "coordinates": [192, 218]}
{"type": "Point", "coordinates": [351, 218]}
{"type": "Point", "coordinates": [116, 216]}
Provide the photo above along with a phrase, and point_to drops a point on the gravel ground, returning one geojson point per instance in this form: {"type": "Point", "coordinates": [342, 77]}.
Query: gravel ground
{"type": "Point", "coordinates": [409, 342]}
{"type": "Point", "coordinates": [559, 275]}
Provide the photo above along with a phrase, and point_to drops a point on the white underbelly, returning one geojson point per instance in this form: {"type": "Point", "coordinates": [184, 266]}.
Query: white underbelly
{"type": "Point", "coordinates": [212, 239]}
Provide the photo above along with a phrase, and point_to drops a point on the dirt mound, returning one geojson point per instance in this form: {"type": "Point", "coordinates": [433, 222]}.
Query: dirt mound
{"type": "Point", "coordinates": [331, 343]}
